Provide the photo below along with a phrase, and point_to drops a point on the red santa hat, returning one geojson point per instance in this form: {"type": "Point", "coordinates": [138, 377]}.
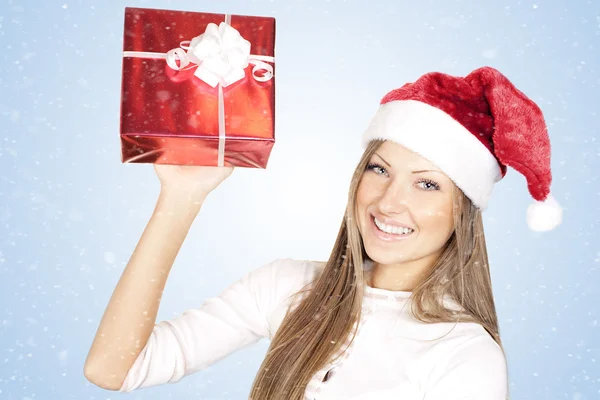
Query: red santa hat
{"type": "Point", "coordinates": [472, 128]}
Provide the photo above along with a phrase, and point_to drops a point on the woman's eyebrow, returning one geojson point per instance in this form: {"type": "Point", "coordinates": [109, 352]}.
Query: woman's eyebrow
{"type": "Point", "coordinates": [414, 172]}
{"type": "Point", "coordinates": [427, 170]}
{"type": "Point", "coordinates": [388, 164]}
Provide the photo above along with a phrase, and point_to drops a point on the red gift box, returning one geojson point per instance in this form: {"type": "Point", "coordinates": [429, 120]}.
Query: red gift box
{"type": "Point", "coordinates": [178, 104]}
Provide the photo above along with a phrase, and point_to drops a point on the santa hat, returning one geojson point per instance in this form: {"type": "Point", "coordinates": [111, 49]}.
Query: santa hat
{"type": "Point", "coordinates": [472, 128]}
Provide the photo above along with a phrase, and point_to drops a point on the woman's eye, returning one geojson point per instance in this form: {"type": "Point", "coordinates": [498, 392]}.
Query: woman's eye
{"type": "Point", "coordinates": [378, 169]}
{"type": "Point", "coordinates": [427, 184]}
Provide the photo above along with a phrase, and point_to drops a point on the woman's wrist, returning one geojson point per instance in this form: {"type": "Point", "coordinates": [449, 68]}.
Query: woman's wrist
{"type": "Point", "coordinates": [179, 203]}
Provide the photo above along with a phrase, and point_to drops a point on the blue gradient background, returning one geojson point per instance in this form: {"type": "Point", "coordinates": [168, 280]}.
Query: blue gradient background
{"type": "Point", "coordinates": [71, 213]}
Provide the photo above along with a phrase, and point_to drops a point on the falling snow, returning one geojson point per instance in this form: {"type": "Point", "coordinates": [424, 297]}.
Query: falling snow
{"type": "Point", "coordinates": [71, 214]}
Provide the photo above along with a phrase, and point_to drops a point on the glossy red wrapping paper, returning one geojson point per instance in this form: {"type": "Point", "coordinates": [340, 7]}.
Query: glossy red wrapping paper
{"type": "Point", "coordinates": [171, 117]}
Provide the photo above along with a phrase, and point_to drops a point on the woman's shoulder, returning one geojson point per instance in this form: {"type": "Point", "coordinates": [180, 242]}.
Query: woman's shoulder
{"type": "Point", "coordinates": [288, 271]}
{"type": "Point", "coordinates": [298, 264]}
{"type": "Point", "coordinates": [277, 284]}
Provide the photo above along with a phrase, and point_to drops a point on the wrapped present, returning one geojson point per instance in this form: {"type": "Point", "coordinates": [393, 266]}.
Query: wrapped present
{"type": "Point", "coordinates": [197, 88]}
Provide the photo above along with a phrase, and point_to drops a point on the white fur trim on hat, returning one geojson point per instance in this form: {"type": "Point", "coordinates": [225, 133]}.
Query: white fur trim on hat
{"type": "Point", "coordinates": [435, 135]}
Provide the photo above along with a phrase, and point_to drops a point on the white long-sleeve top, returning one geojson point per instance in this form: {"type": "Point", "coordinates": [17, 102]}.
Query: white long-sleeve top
{"type": "Point", "coordinates": [394, 356]}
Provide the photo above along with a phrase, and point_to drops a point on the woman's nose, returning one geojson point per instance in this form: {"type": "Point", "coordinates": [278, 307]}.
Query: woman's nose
{"type": "Point", "coordinates": [394, 199]}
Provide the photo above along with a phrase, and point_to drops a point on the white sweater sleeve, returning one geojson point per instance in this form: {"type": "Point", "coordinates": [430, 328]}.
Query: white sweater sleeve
{"type": "Point", "coordinates": [248, 310]}
{"type": "Point", "coordinates": [475, 370]}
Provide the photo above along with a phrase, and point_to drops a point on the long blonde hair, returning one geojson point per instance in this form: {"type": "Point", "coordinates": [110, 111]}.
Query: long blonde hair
{"type": "Point", "coordinates": [314, 330]}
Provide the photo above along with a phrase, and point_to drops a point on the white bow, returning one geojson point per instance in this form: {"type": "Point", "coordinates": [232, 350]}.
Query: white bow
{"type": "Point", "coordinates": [221, 54]}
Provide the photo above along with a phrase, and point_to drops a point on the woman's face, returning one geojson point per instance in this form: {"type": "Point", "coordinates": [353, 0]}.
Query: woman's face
{"type": "Point", "coordinates": [404, 207]}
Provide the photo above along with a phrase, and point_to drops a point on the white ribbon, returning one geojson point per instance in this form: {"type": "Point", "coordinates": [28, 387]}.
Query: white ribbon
{"type": "Point", "coordinates": [222, 55]}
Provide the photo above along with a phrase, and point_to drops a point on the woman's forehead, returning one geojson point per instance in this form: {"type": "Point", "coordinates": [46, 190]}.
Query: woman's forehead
{"type": "Point", "coordinates": [400, 157]}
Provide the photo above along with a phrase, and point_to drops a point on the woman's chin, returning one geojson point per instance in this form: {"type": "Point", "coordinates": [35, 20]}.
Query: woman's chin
{"type": "Point", "coordinates": [384, 256]}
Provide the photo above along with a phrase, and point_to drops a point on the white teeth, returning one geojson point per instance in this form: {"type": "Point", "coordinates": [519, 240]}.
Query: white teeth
{"type": "Point", "coordinates": [395, 230]}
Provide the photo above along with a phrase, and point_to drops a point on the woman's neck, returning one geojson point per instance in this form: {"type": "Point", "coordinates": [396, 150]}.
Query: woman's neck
{"type": "Point", "coordinates": [397, 277]}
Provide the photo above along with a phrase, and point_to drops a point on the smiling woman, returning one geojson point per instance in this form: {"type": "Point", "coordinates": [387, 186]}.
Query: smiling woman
{"type": "Point", "coordinates": [405, 217]}
{"type": "Point", "coordinates": [402, 309]}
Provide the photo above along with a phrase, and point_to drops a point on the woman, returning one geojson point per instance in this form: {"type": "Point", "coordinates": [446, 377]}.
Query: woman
{"type": "Point", "coordinates": [403, 308]}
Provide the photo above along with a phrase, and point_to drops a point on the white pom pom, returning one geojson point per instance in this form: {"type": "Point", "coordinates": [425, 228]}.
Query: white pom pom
{"type": "Point", "coordinates": [544, 215]}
